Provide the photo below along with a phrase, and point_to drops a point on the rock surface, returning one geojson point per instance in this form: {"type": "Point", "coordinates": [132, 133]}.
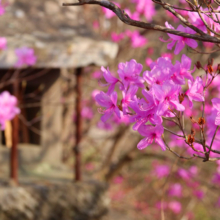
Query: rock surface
{"type": "Point", "coordinates": [66, 201]}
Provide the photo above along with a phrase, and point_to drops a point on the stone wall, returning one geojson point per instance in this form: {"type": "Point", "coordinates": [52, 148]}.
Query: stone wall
{"type": "Point", "coordinates": [66, 201]}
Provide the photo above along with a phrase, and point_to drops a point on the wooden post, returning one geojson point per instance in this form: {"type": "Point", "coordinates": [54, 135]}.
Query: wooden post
{"type": "Point", "coordinates": [15, 131]}
{"type": "Point", "coordinates": [76, 149]}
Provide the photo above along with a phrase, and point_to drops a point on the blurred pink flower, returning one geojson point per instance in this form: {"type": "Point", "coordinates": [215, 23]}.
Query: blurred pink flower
{"type": "Point", "coordinates": [8, 108]}
{"type": "Point", "coordinates": [108, 13]}
{"type": "Point", "coordinates": [148, 61]}
{"type": "Point", "coordinates": [150, 51]}
{"type": "Point", "coordinates": [199, 194]}
{"type": "Point", "coordinates": [89, 166]}
{"type": "Point", "coordinates": [168, 55]}
{"type": "Point", "coordinates": [218, 203]}
{"type": "Point", "coordinates": [161, 205]}
{"type": "Point", "coordinates": [117, 37]}
{"type": "Point", "coordinates": [104, 125]}
{"type": "Point", "coordinates": [118, 195]}
{"type": "Point", "coordinates": [25, 56]}
{"type": "Point", "coordinates": [95, 25]}
{"type": "Point", "coordinates": [97, 74]}
{"type": "Point", "coordinates": [146, 7]}
{"type": "Point", "coordinates": [118, 180]}
{"type": "Point", "coordinates": [87, 112]}
{"type": "Point", "coordinates": [3, 43]}
{"type": "Point", "coordinates": [175, 206]}
{"type": "Point", "coordinates": [183, 174]}
{"type": "Point", "coordinates": [161, 171]}
{"type": "Point", "coordinates": [179, 41]}
{"type": "Point", "coordinates": [216, 178]}
{"type": "Point", "coordinates": [137, 40]}
{"type": "Point", "coordinates": [2, 8]}
{"type": "Point", "coordinates": [175, 190]}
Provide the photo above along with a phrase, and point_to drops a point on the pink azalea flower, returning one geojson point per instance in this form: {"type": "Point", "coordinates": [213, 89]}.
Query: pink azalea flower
{"type": "Point", "coordinates": [95, 25]}
{"type": "Point", "coordinates": [97, 74]}
{"type": "Point", "coordinates": [183, 174]}
{"type": "Point", "coordinates": [161, 71]}
{"type": "Point", "coordinates": [168, 55]}
{"type": "Point", "coordinates": [3, 43]}
{"type": "Point", "coordinates": [123, 120]}
{"type": "Point", "coordinates": [2, 8]}
{"type": "Point", "coordinates": [197, 21]}
{"type": "Point", "coordinates": [162, 171]}
{"type": "Point", "coordinates": [118, 180]}
{"type": "Point", "coordinates": [167, 94]}
{"type": "Point", "coordinates": [149, 10]}
{"type": "Point", "coordinates": [145, 110]}
{"type": "Point", "coordinates": [89, 166]}
{"type": "Point", "coordinates": [128, 97]}
{"type": "Point", "coordinates": [216, 178]}
{"type": "Point", "coordinates": [8, 108]}
{"type": "Point", "coordinates": [179, 40]}
{"type": "Point", "coordinates": [161, 205]}
{"type": "Point", "coordinates": [87, 112]}
{"type": "Point", "coordinates": [199, 194]}
{"type": "Point", "coordinates": [108, 13]}
{"type": "Point", "coordinates": [216, 106]}
{"type": "Point", "coordinates": [148, 61]}
{"type": "Point", "coordinates": [137, 40]}
{"type": "Point", "coordinates": [129, 73]}
{"type": "Point", "coordinates": [175, 190]}
{"type": "Point", "coordinates": [134, 16]}
{"type": "Point", "coordinates": [104, 126]}
{"type": "Point", "coordinates": [111, 80]}
{"type": "Point", "coordinates": [218, 203]}
{"type": "Point", "coordinates": [175, 206]}
{"type": "Point", "coordinates": [25, 56]}
{"type": "Point", "coordinates": [117, 37]}
{"type": "Point", "coordinates": [146, 7]}
{"type": "Point", "coordinates": [110, 103]}
{"type": "Point", "coordinates": [151, 134]}
{"type": "Point", "coordinates": [193, 92]}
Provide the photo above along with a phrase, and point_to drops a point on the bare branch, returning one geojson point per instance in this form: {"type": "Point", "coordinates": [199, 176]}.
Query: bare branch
{"type": "Point", "coordinates": [149, 26]}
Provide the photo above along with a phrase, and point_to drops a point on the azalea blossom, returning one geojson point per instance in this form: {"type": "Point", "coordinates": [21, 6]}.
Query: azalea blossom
{"type": "Point", "coordinates": [151, 134]}
{"type": "Point", "coordinates": [2, 8]}
{"type": "Point", "coordinates": [216, 106]}
{"type": "Point", "coordinates": [168, 96]}
{"type": "Point", "coordinates": [8, 108]}
{"type": "Point", "coordinates": [137, 40]}
{"type": "Point", "coordinates": [25, 56]}
{"type": "Point", "coordinates": [110, 103]}
{"type": "Point", "coordinates": [111, 80]}
{"type": "Point", "coordinates": [175, 190]}
{"type": "Point", "coordinates": [175, 206]}
{"type": "Point", "coordinates": [193, 92]}
{"type": "Point", "coordinates": [162, 171]}
{"type": "Point", "coordinates": [3, 43]}
{"type": "Point", "coordinates": [179, 40]}
{"type": "Point", "coordinates": [129, 73]}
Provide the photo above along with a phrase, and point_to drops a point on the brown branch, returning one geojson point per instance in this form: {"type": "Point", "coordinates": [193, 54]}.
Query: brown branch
{"type": "Point", "coordinates": [125, 18]}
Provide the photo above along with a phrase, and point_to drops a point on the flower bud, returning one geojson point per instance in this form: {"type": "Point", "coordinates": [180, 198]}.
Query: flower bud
{"type": "Point", "coordinates": [190, 139]}
{"type": "Point", "coordinates": [198, 65]}
{"type": "Point", "coordinates": [210, 69]}
{"type": "Point", "coordinates": [201, 121]}
{"type": "Point", "coordinates": [181, 97]}
{"type": "Point", "coordinates": [218, 69]}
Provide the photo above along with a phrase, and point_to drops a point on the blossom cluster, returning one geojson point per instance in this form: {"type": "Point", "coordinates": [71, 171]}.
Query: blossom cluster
{"type": "Point", "coordinates": [164, 95]}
